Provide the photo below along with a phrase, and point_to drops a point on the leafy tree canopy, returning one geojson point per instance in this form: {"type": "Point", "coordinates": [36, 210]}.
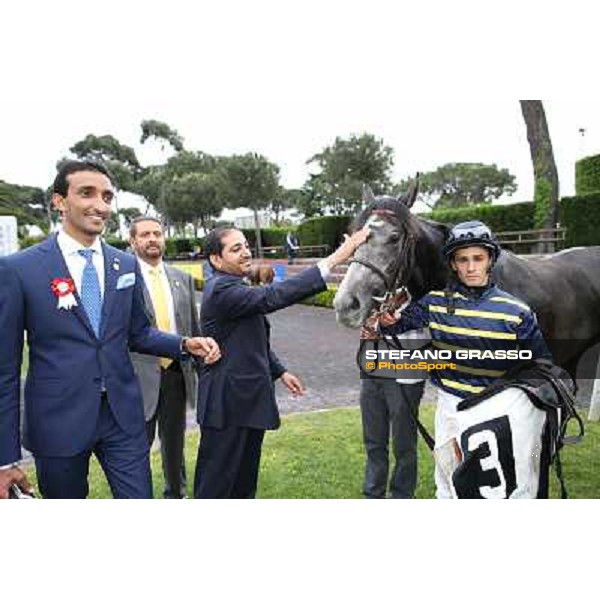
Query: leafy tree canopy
{"type": "Point", "coordinates": [248, 180]}
{"type": "Point", "coordinates": [345, 166]}
{"type": "Point", "coordinates": [192, 198]}
{"type": "Point", "coordinates": [162, 133]}
{"type": "Point", "coordinates": [28, 204]}
{"type": "Point", "coordinates": [464, 184]}
{"type": "Point", "coordinates": [120, 159]}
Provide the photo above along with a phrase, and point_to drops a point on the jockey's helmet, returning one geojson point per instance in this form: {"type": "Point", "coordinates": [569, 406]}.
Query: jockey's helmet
{"type": "Point", "coordinates": [471, 233]}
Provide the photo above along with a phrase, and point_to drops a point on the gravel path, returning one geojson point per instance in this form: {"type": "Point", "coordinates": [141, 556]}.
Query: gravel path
{"type": "Point", "coordinates": [322, 353]}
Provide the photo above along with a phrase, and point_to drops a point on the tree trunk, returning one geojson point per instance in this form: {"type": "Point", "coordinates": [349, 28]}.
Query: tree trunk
{"type": "Point", "coordinates": [276, 216]}
{"type": "Point", "coordinates": [546, 190]}
{"type": "Point", "coordinates": [259, 250]}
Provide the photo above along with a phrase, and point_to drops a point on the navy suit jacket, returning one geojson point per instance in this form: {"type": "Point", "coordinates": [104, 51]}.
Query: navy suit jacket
{"type": "Point", "coordinates": [238, 390]}
{"type": "Point", "coordinates": [68, 364]}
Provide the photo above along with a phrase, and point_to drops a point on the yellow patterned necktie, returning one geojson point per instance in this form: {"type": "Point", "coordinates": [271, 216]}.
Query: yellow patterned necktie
{"type": "Point", "coordinates": [161, 310]}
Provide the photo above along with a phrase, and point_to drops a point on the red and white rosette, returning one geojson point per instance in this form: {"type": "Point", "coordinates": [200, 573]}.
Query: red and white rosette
{"type": "Point", "coordinates": [63, 289]}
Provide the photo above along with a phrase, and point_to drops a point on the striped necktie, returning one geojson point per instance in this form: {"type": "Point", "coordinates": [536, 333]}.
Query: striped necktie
{"type": "Point", "coordinates": [161, 309]}
{"type": "Point", "coordinates": [91, 296]}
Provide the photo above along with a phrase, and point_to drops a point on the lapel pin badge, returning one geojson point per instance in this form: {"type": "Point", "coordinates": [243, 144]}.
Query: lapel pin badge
{"type": "Point", "coordinates": [116, 265]}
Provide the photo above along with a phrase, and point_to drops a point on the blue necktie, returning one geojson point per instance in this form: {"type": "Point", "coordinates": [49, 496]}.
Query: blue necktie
{"type": "Point", "coordinates": [90, 291]}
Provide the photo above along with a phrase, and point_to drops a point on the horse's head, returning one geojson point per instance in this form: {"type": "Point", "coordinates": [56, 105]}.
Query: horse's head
{"type": "Point", "coordinates": [381, 263]}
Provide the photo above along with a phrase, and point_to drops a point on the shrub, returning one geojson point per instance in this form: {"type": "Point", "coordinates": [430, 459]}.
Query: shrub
{"type": "Point", "coordinates": [269, 236]}
{"type": "Point", "coordinates": [250, 236]}
{"type": "Point", "coordinates": [275, 236]}
{"type": "Point", "coordinates": [324, 299]}
{"type": "Point", "coordinates": [179, 246]}
{"type": "Point", "coordinates": [31, 240]}
{"type": "Point", "coordinates": [498, 217]}
{"type": "Point", "coordinates": [323, 230]}
{"type": "Point", "coordinates": [581, 216]}
{"type": "Point", "coordinates": [118, 243]}
{"type": "Point", "coordinates": [587, 175]}
{"type": "Point", "coordinates": [170, 249]}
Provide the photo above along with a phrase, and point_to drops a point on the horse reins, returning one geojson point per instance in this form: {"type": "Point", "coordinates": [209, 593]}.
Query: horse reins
{"type": "Point", "coordinates": [405, 259]}
{"type": "Point", "coordinates": [392, 284]}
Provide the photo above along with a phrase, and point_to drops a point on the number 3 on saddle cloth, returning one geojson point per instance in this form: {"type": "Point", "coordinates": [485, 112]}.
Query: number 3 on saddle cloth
{"type": "Point", "coordinates": [501, 443]}
{"type": "Point", "coordinates": [511, 435]}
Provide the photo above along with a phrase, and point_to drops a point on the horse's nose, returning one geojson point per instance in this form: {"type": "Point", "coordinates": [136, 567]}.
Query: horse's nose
{"type": "Point", "coordinates": [348, 303]}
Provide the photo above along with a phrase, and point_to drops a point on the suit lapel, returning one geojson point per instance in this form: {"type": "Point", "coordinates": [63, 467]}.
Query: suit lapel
{"type": "Point", "coordinates": [112, 270]}
{"type": "Point", "coordinates": [148, 302]}
{"type": "Point", "coordinates": [175, 285]}
{"type": "Point", "coordinates": [57, 267]}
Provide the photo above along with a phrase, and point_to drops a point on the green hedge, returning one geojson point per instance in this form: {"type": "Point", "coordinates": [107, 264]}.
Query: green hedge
{"type": "Point", "coordinates": [31, 240]}
{"type": "Point", "coordinates": [324, 299]}
{"type": "Point", "coordinates": [117, 243]}
{"type": "Point", "coordinates": [275, 236]}
{"type": "Point", "coordinates": [499, 217]}
{"type": "Point", "coordinates": [323, 230]}
{"type": "Point", "coordinates": [581, 216]}
{"type": "Point", "coordinates": [587, 175]}
{"type": "Point", "coordinates": [269, 236]}
{"type": "Point", "coordinates": [177, 246]}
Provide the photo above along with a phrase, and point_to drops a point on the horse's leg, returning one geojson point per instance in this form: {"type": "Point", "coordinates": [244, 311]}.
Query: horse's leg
{"type": "Point", "coordinates": [594, 413]}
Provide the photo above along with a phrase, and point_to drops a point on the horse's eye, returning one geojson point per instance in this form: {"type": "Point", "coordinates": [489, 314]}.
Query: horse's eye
{"type": "Point", "coordinates": [394, 238]}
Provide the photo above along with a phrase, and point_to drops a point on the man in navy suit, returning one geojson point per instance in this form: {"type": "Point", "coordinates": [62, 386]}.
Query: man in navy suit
{"type": "Point", "coordinates": [236, 398]}
{"type": "Point", "coordinates": [81, 304]}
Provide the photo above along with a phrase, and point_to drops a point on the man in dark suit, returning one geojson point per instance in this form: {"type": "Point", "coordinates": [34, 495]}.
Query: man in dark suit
{"type": "Point", "coordinates": [170, 296]}
{"type": "Point", "coordinates": [81, 304]}
{"type": "Point", "coordinates": [236, 399]}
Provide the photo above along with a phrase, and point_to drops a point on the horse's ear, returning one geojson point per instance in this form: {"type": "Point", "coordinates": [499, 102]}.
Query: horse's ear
{"type": "Point", "coordinates": [367, 194]}
{"type": "Point", "coordinates": [410, 198]}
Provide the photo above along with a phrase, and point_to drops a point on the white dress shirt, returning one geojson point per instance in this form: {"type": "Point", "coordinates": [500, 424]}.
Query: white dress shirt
{"type": "Point", "coordinates": [146, 268]}
{"type": "Point", "coordinates": [76, 263]}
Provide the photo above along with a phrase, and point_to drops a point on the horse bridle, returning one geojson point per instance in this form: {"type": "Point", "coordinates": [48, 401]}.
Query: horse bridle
{"type": "Point", "coordinates": [398, 274]}
{"type": "Point", "coordinates": [395, 286]}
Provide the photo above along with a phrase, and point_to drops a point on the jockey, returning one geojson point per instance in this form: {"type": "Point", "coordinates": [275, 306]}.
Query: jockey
{"type": "Point", "coordinates": [471, 313]}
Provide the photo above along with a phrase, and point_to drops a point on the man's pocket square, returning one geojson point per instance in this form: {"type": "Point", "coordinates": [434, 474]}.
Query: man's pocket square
{"type": "Point", "coordinates": [126, 280]}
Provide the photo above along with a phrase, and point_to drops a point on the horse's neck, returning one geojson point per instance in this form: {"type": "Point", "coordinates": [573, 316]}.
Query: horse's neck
{"type": "Point", "coordinates": [430, 271]}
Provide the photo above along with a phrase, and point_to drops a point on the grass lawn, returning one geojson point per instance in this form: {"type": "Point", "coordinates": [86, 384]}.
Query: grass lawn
{"type": "Point", "coordinates": [25, 363]}
{"type": "Point", "coordinates": [320, 455]}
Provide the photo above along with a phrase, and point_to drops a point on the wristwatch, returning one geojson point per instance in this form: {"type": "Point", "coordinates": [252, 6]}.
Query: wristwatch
{"type": "Point", "coordinates": [184, 352]}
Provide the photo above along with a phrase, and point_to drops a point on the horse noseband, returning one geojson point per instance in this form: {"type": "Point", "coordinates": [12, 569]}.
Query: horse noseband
{"type": "Point", "coordinates": [391, 283]}
{"type": "Point", "coordinates": [375, 270]}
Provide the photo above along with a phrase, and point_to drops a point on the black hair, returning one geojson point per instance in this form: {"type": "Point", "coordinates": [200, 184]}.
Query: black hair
{"type": "Point", "coordinates": [139, 219]}
{"type": "Point", "coordinates": [61, 185]}
{"type": "Point", "coordinates": [213, 242]}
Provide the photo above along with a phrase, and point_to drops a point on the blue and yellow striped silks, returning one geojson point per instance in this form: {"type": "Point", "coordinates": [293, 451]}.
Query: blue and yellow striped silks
{"type": "Point", "coordinates": [460, 321]}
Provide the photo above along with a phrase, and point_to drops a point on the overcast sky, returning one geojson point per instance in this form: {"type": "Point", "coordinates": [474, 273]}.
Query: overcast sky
{"type": "Point", "coordinates": [285, 78]}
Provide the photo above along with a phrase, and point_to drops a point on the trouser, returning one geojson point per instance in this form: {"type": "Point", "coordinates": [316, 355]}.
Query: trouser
{"type": "Point", "coordinates": [123, 458]}
{"type": "Point", "coordinates": [389, 408]}
{"type": "Point", "coordinates": [228, 462]}
{"type": "Point", "coordinates": [501, 446]}
{"type": "Point", "coordinates": [170, 416]}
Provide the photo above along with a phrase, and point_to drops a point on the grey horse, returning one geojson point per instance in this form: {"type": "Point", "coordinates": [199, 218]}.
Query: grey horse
{"type": "Point", "coordinates": [562, 288]}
